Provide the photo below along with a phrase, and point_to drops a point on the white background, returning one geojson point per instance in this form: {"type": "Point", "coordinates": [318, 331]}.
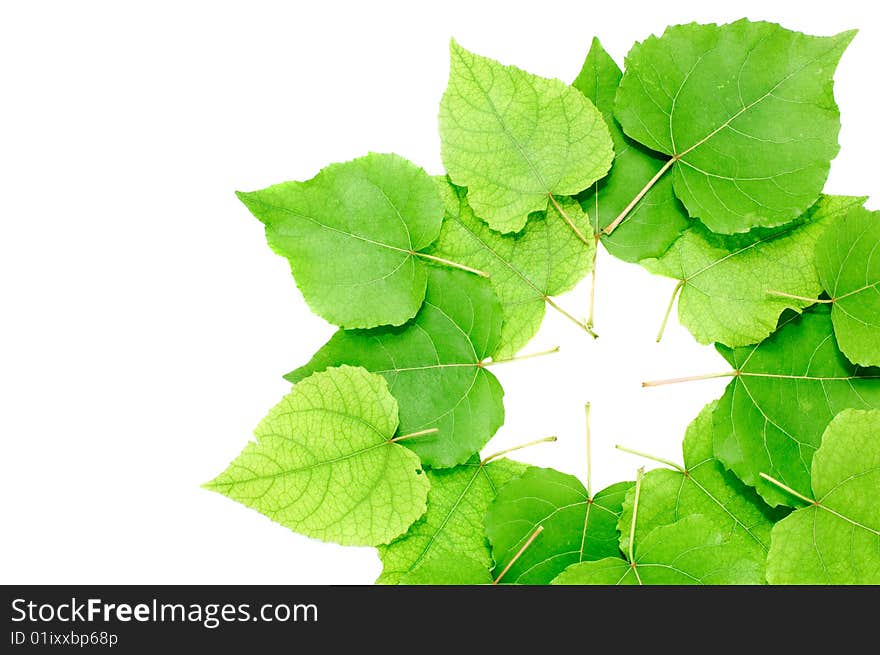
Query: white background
{"type": "Point", "coordinates": [145, 324]}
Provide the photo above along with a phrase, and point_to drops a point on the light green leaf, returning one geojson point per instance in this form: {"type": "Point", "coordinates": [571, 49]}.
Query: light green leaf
{"type": "Point", "coordinates": [788, 388]}
{"type": "Point", "coordinates": [433, 365]}
{"type": "Point", "coordinates": [658, 218]}
{"type": "Point", "coordinates": [703, 486]}
{"type": "Point", "coordinates": [352, 235]}
{"type": "Point", "coordinates": [726, 282]}
{"type": "Point", "coordinates": [324, 463]}
{"type": "Point", "coordinates": [448, 569]}
{"type": "Point", "coordinates": [516, 139]}
{"type": "Point", "coordinates": [689, 551]}
{"type": "Point", "coordinates": [746, 113]}
{"type": "Point", "coordinates": [848, 259]}
{"type": "Point", "coordinates": [452, 527]}
{"type": "Point", "coordinates": [836, 539]}
{"type": "Point", "coordinates": [576, 527]}
{"type": "Point", "coordinates": [545, 259]}
{"type": "Point", "coordinates": [605, 571]}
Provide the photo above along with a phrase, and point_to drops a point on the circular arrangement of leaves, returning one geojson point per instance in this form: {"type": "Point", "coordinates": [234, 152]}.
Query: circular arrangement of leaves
{"type": "Point", "coordinates": [704, 161]}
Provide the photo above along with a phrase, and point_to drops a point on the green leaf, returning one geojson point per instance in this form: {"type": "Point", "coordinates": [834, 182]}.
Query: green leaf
{"type": "Point", "coordinates": [545, 259]}
{"type": "Point", "coordinates": [788, 389]}
{"type": "Point", "coordinates": [835, 540]}
{"type": "Point", "coordinates": [433, 365]}
{"type": "Point", "coordinates": [451, 528]}
{"type": "Point", "coordinates": [690, 551]}
{"type": "Point", "coordinates": [576, 527]}
{"type": "Point", "coordinates": [516, 139]}
{"type": "Point", "coordinates": [448, 569]}
{"type": "Point", "coordinates": [848, 261]}
{"type": "Point", "coordinates": [703, 486]}
{"type": "Point", "coordinates": [725, 281]}
{"type": "Point", "coordinates": [352, 235]}
{"type": "Point", "coordinates": [658, 218]}
{"type": "Point", "coordinates": [324, 463]}
{"type": "Point", "coordinates": [746, 113]}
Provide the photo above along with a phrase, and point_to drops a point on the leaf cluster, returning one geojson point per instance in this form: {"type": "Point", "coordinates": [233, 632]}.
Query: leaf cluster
{"type": "Point", "coordinates": [703, 161]}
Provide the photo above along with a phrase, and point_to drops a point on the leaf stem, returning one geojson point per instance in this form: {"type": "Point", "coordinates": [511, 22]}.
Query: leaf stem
{"type": "Point", "coordinates": [641, 194]}
{"type": "Point", "coordinates": [788, 489]}
{"type": "Point", "coordinates": [675, 293]}
{"type": "Point", "coordinates": [632, 525]}
{"type": "Point", "coordinates": [782, 294]}
{"type": "Point", "coordinates": [593, 285]}
{"type": "Point", "coordinates": [420, 433]}
{"type": "Point", "coordinates": [519, 553]}
{"type": "Point", "coordinates": [589, 454]}
{"type": "Point", "coordinates": [501, 453]}
{"type": "Point", "coordinates": [691, 378]}
{"type": "Point", "coordinates": [448, 262]}
{"type": "Point", "coordinates": [567, 219]}
{"type": "Point", "coordinates": [518, 358]}
{"type": "Point", "coordinates": [571, 318]}
{"type": "Point", "coordinates": [653, 458]}
{"type": "Point", "coordinates": [638, 577]}
{"type": "Point", "coordinates": [597, 237]}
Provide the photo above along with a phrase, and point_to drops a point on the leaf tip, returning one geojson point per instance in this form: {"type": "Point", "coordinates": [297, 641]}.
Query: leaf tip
{"type": "Point", "coordinates": [247, 198]}
{"type": "Point", "coordinates": [210, 485]}
{"type": "Point", "coordinates": [846, 36]}
{"type": "Point", "coordinates": [595, 47]}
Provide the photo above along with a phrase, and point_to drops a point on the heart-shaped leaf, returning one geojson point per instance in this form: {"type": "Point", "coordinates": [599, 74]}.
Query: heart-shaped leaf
{"type": "Point", "coordinates": [744, 112]}
{"type": "Point", "coordinates": [325, 462]}
{"type": "Point", "coordinates": [352, 235]}
{"type": "Point", "coordinates": [516, 140]}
